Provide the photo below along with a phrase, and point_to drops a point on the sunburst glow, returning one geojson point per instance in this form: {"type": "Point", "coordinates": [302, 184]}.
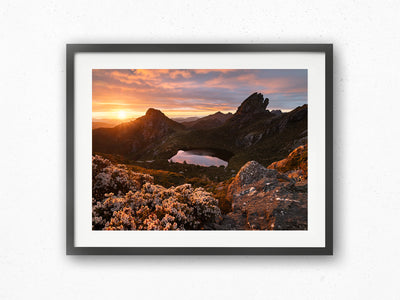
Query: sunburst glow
{"type": "Point", "coordinates": [123, 94]}
{"type": "Point", "coordinates": [122, 115]}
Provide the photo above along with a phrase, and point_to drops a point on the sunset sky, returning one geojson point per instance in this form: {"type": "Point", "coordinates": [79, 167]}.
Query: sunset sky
{"type": "Point", "coordinates": [124, 94]}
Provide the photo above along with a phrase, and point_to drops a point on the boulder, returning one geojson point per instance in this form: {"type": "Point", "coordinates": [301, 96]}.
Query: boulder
{"type": "Point", "coordinates": [264, 199]}
{"type": "Point", "coordinates": [252, 172]}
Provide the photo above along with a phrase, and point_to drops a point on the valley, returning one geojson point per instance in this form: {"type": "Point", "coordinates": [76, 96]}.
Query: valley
{"type": "Point", "coordinates": [213, 153]}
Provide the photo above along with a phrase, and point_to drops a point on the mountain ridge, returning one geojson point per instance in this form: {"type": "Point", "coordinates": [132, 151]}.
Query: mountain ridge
{"type": "Point", "coordinates": [251, 132]}
{"type": "Point", "coordinates": [210, 121]}
{"type": "Point", "coordinates": [135, 136]}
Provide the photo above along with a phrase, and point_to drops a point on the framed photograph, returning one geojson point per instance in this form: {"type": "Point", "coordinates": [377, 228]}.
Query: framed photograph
{"type": "Point", "coordinates": [199, 149]}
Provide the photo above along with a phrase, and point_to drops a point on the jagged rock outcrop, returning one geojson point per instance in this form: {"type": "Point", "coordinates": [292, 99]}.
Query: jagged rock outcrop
{"type": "Point", "coordinates": [254, 104]}
{"type": "Point", "coordinates": [276, 112]}
{"type": "Point", "coordinates": [264, 199]}
{"type": "Point", "coordinates": [253, 107]}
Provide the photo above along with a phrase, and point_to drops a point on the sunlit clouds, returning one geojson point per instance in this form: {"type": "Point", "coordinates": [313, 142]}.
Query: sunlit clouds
{"type": "Point", "coordinates": [125, 94]}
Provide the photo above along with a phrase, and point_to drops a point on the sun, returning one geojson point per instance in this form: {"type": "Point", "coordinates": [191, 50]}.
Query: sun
{"type": "Point", "coordinates": [122, 115]}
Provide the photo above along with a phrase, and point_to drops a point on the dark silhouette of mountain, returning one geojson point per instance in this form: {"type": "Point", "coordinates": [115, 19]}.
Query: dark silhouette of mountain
{"type": "Point", "coordinates": [211, 121]}
{"type": "Point", "coordinates": [105, 123]}
{"type": "Point", "coordinates": [137, 136]}
{"type": "Point", "coordinates": [276, 112]}
{"type": "Point", "coordinates": [96, 125]}
{"type": "Point", "coordinates": [253, 108]}
{"type": "Point", "coordinates": [252, 133]}
{"type": "Point", "coordinates": [254, 104]}
{"type": "Point", "coordinates": [189, 119]}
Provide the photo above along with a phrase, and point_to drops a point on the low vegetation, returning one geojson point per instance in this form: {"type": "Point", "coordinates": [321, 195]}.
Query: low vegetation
{"type": "Point", "coordinates": [297, 160]}
{"type": "Point", "coordinates": [214, 180]}
{"type": "Point", "coordinates": [134, 202]}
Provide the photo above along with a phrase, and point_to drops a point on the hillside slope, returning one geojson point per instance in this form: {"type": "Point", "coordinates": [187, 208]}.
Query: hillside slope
{"type": "Point", "coordinates": [252, 133]}
{"type": "Point", "coordinates": [208, 122]}
{"type": "Point", "coordinates": [135, 137]}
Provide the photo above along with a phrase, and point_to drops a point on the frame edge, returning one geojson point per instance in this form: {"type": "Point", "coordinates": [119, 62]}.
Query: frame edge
{"type": "Point", "coordinates": [72, 49]}
{"type": "Point", "coordinates": [70, 147]}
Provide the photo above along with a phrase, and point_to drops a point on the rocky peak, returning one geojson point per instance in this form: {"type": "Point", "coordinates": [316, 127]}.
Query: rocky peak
{"type": "Point", "coordinates": [155, 123]}
{"type": "Point", "coordinates": [219, 115]}
{"type": "Point", "coordinates": [154, 113]}
{"type": "Point", "coordinates": [276, 112]}
{"type": "Point", "coordinates": [254, 104]}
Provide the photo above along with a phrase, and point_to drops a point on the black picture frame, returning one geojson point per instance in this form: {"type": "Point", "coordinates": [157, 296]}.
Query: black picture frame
{"type": "Point", "coordinates": [73, 49]}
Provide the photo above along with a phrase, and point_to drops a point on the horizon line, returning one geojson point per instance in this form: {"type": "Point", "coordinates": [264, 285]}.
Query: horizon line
{"type": "Point", "coordinates": [175, 116]}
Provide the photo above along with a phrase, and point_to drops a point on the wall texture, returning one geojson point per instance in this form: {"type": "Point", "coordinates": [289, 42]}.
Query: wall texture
{"type": "Point", "coordinates": [33, 35]}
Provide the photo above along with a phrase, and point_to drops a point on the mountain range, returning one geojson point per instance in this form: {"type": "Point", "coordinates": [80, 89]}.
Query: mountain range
{"type": "Point", "coordinates": [211, 121]}
{"type": "Point", "coordinates": [104, 123]}
{"type": "Point", "coordinates": [251, 133]}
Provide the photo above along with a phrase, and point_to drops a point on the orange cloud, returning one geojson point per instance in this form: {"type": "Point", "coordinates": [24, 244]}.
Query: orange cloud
{"type": "Point", "coordinates": [197, 91]}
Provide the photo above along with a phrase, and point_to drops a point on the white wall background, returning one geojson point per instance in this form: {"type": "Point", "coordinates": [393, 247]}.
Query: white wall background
{"type": "Point", "coordinates": [33, 264]}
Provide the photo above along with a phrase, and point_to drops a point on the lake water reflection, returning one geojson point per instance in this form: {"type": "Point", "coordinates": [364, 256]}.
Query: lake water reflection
{"type": "Point", "coordinates": [203, 158]}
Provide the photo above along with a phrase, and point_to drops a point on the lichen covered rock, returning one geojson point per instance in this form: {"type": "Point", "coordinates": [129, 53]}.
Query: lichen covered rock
{"type": "Point", "coordinates": [264, 199]}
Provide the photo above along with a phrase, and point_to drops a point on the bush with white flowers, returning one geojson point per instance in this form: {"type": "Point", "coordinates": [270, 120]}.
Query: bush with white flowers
{"type": "Point", "coordinates": [125, 200]}
{"type": "Point", "coordinates": [109, 178]}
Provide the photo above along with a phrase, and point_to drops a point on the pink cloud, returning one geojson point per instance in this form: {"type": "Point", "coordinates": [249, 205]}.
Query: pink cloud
{"type": "Point", "coordinates": [199, 89]}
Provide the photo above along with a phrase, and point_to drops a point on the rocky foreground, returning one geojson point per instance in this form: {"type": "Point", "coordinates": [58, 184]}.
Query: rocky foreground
{"type": "Point", "coordinates": [265, 199]}
{"type": "Point", "coordinates": [273, 198]}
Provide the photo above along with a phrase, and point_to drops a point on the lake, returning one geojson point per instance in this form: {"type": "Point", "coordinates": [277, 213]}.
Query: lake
{"type": "Point", "coordinates": [200, 157]}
